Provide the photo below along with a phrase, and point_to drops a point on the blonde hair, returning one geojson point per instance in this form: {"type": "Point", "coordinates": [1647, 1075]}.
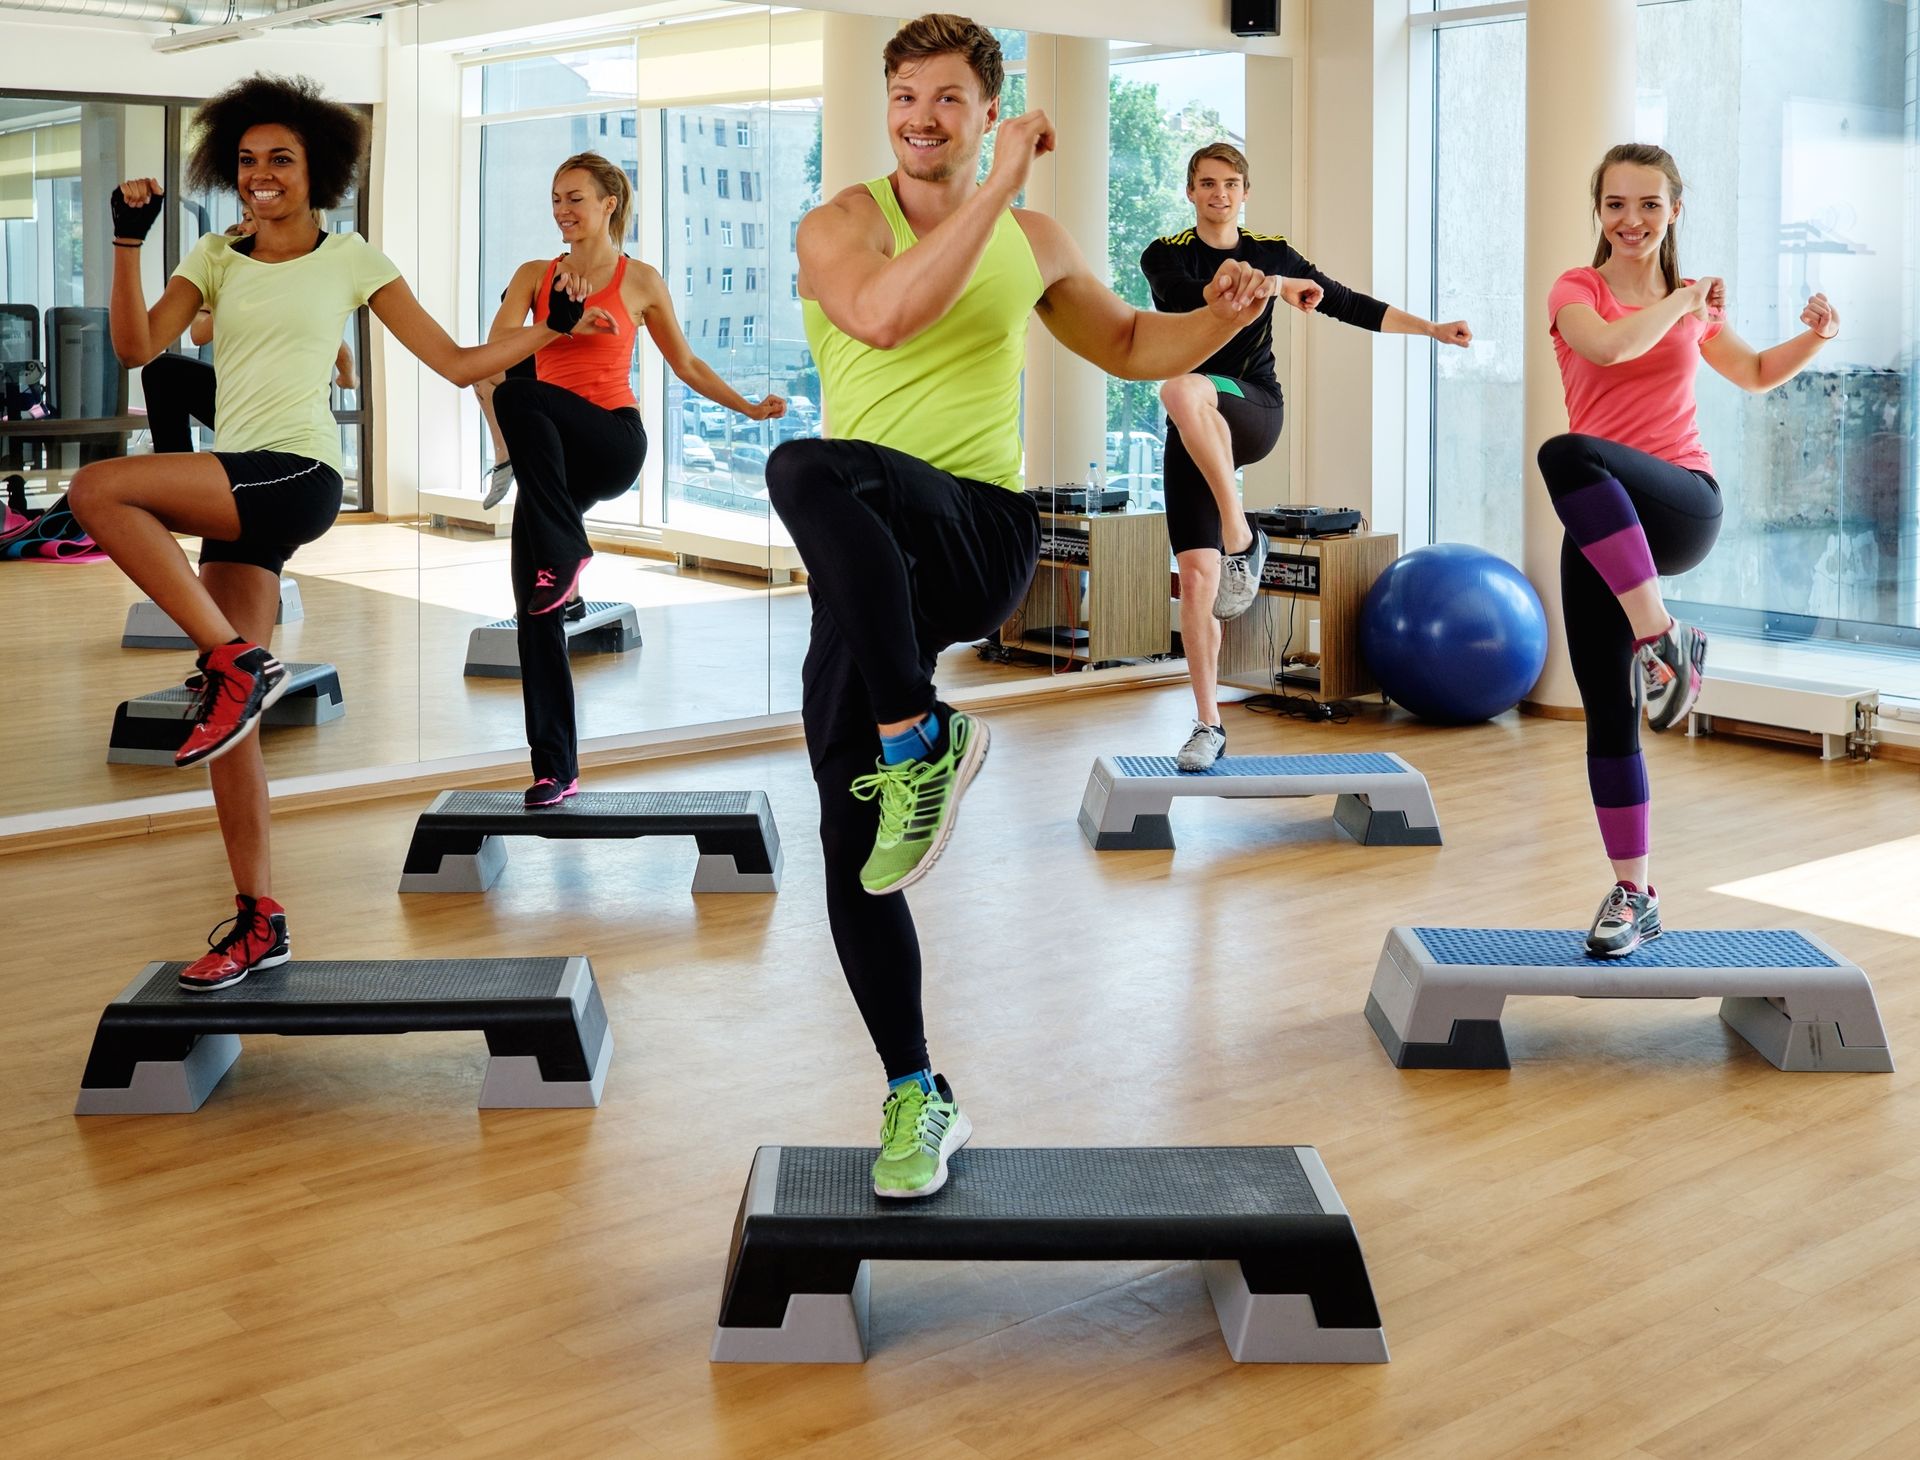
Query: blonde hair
{"type": "Point", "coordinates": [1219, 152]}
{"type": "Point", "coordinates": [943, 35]}
{"type": "Point", "coordinates": [611, 181]}
{"type": "Point", "coordinates": [1642, 154]}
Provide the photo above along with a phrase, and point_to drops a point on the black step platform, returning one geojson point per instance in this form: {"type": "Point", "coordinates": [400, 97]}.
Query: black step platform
{"type": "Point", "coordinates": [456, 843]}
{"type": "Point", "coordinates": [151, 729]}
{"type": "Point", "coordinates": [493, 650]}
{"type": "Point", "coordinates": [160, 1050]}
{"type": "Point", "coordinates": [1276, 1245]}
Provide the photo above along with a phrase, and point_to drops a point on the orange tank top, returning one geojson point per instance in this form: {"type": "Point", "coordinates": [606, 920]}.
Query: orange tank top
{"type": "Point", "coordinates": [594, 365]}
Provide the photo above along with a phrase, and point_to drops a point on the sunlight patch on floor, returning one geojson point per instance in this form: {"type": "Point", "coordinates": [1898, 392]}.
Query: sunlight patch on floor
{"type": "Point", "coordinates": [1875, 887]}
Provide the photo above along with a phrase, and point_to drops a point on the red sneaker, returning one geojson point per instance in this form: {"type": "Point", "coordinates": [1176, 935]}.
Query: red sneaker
{"type": "Point", "coordinates": [258, 940]}
{"type": "Point", "coordinates": [242, 681]}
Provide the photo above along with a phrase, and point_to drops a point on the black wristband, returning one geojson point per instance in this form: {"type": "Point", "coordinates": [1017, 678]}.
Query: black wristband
{"type": "Point", "coordinates": [131, 222]}
{"type": "Point", "coordinates": [563, 311]}
{"type": "Point", "coordinates": [123, 243]}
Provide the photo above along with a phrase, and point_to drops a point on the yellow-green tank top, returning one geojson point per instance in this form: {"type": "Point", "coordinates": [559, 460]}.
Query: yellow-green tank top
{"type": "Point", "coordinates": [951, 394]}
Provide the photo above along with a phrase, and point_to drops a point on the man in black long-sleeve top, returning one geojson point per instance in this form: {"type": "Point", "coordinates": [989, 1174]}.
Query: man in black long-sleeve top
{"type": "Point", "coordinates": [1227, 415]}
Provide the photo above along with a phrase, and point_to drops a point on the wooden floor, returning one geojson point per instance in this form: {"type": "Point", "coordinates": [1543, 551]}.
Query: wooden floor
{"type": "Point", "coordinates": [391, 607]}
{"type": "Point", "coordinates": [1642, 1241]}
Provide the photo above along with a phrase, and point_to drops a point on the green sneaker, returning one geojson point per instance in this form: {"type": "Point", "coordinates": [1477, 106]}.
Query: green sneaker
{"type": "Point", "coordinates": [918, 802]}
{"type": "Point", "coordinates": [918, 1131]}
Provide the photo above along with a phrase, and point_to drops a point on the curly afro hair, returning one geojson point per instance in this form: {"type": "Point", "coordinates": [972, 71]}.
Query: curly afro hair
{"type": "Point", "coordinates": [334, 135]}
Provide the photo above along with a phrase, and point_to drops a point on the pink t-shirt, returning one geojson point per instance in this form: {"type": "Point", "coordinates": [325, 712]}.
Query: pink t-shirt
{"type": "Point", "coordinates": [1645, 403]}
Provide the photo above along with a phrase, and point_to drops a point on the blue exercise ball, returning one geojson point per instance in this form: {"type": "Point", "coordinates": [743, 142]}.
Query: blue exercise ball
{"type": "Point", "coordinates": [1454, 633]}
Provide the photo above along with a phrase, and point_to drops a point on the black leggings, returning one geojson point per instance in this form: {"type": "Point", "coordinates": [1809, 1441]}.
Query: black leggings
{"type": "Point", "coordinates": [179, 391]}
{"type": "Point", "coordinates": [902, 560]}
{"type": "Point", "coordinates": [568, 454]}
{"type": "Point", "coordinates": [1679, 511]}
{"type": "Point", "coordinates": [1253, 418]}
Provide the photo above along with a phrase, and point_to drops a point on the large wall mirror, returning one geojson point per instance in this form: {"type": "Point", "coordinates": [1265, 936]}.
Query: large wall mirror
{"type": "Point", "coordinates": [696, 612]}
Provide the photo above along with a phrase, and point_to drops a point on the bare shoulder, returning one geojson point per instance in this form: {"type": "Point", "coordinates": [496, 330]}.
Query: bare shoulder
{"type": "Point", "coordinates": [850, 213]}
{"type": "Point", "coordinates": [1053, 247]}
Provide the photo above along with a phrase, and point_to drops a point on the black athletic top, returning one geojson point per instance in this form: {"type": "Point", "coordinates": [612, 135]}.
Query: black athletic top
{"type": "Point", "coordinates": [1180, 267]}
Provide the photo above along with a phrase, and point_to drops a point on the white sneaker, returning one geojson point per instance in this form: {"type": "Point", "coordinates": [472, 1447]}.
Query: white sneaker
{"type": "Point", "coordinates": [1202, 749]}
{"type": "Point", "coordinates": [1240, 578]}
{"type": "Point", "coordinates": [499, 481]}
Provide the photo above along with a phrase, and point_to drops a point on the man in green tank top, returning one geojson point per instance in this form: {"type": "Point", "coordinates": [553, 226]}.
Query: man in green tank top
{"type": "Point", "coordinates": [917, 288]}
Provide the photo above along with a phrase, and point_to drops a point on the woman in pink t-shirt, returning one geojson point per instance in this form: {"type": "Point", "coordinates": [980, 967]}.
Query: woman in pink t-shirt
{"type": "Point", "coordinates": [1633, 486]}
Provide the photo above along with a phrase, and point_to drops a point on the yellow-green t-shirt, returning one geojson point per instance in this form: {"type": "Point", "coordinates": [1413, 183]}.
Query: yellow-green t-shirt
{"type": "Point", "coordinates": [276, 330]}
{"type": "Point", "coordinates": [951, 394]}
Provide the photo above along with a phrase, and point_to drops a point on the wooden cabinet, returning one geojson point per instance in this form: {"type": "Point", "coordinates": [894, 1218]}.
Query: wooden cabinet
{"type": "Point", "coordinates": [1104, 575]}
{"type": "Point", "coordinates": [1345, 568]}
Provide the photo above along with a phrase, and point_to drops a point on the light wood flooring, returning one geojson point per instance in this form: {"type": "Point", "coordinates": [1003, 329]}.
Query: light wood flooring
{"type": "Point", "coordinates": [392, 606]}
{"type": "Point", "coordinates": [1642, 1241]}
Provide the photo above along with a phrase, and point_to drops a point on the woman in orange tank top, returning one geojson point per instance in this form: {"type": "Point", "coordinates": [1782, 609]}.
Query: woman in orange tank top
{"type": "Point", "coordinates": [573, 433]}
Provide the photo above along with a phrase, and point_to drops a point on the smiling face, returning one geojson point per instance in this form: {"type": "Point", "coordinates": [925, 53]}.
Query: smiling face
{"type": "Point", "coordinates": [1217, 193]}
{"type": "Point", "coordinates": [580, 210]}
{"type": "Point", "coordinates": [272, 174]}
{"type": "Point", "coordinates": [937, 116]}
{"type": "Point", "coordinates": [1636, 210]}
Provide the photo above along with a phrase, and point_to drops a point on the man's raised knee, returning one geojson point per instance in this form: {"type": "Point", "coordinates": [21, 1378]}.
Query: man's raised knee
{"type": "Point", "coordinates": [790, 464]}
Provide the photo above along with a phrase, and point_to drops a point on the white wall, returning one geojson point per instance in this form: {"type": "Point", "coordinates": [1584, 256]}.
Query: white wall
{"type": "Point", "coordinates": [78, 53]}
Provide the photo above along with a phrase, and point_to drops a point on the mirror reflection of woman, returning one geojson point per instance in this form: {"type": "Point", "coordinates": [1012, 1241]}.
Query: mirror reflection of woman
{"type": "Point", "coordinates": [573, 435]}
{"type": "Point", "coordinates": [279, 300]}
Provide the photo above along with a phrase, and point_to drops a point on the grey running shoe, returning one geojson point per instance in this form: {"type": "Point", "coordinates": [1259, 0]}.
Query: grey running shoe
{"type": "Point", "coordinates": [1628, 918]}
{"type": "Point", "coordinates": [1670, 669]}
{"type": "Point", "coordinates": [1202, 749]}
{"type": "Point", "coordinates": [1240, 578]}
{"type": "Point", "coordinates": [499, 481]}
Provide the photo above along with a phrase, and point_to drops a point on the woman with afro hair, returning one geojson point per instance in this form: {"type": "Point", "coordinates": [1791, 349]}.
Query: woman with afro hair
{"type": "Point", "coordinates": [279, 300]}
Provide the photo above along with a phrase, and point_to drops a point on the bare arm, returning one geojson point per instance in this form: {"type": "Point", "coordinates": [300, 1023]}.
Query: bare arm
{"type": "Point", "coordinates": [1399, 322]}
{"type": "Point", "coordinates": [1133, 344]}
{"type": "Point", "coordinates": [396, 308]}
{"type": "Point", "coordinates": [648, 300]}
{"type": "Point", "coordinates": [201, 329]}
{"type": "Point", "coordinates": [140, 333]}
{"type": "Point", "coordinates": [1614, 342]}
{"type": "Point", "coordinates": [1759, 371]}
{"type": "Point", "coordinates": [884, 301]}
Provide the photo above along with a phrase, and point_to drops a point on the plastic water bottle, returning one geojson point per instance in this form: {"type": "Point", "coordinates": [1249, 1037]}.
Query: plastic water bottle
{"type": "Point", "coordinates": [1095, 476]}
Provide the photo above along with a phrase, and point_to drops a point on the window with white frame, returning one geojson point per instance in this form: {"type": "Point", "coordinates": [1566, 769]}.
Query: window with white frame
{"type": "Point", "coordinates": [747, 328]}
{"type": "Point", "coordinates": [1796, 175]}
{"type": "Point", "coordinates": [726, 233]}
{"type": "Point", "coordinates": [726, 281]}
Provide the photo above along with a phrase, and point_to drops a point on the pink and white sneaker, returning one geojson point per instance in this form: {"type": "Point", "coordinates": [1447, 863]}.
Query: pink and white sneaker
{"type": "Point", "coordinates": [552, 587]}
{"type": "Point", "coordinates": [1671, 668]}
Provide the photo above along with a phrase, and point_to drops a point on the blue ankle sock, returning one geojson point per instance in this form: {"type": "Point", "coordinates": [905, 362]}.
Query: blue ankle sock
{"type": "Point", "coordinates": [922, 1078]}
{"type": "Point", "coordinates": [912, 742]}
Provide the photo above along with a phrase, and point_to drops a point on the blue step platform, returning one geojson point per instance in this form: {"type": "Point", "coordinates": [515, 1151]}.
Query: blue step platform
{"type": "Point", "coordinates": [1381, 800]}
{"type": "Point", "coordinates": [1438, 992]}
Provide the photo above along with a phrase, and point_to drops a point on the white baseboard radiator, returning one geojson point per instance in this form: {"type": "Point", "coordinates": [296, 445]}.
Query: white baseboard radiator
{"type": "Point", "coordinates": [1836, 717]}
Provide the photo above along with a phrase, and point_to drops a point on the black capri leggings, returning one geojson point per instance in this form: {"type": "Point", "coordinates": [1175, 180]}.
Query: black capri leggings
{"type": "Point", "coordinates": [568, 454]}
{"type": "Point", "coordinates": [1253, 414]}
{"type": "Point", "coordinates": [1679, 511]}
{"type": "Point", "coordinates": [179, 391]}
{"type": "Point", "coordinates": [902, 560]}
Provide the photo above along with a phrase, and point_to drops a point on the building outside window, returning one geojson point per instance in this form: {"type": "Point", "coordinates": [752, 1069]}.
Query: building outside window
{"type": "Point", "coordinates": [770, 355]}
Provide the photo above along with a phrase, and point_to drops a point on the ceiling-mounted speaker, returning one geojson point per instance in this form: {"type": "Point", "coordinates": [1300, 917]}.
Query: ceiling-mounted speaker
{"type": "Point", "coordinates": [1254, 17]}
